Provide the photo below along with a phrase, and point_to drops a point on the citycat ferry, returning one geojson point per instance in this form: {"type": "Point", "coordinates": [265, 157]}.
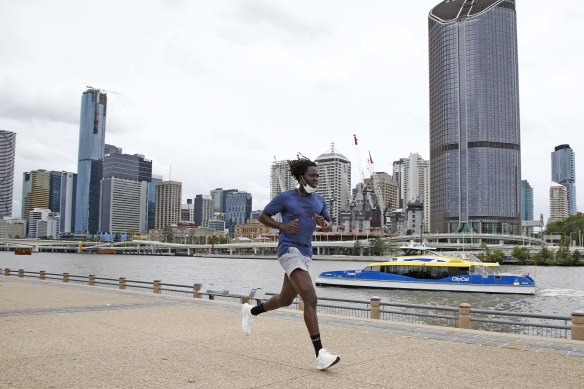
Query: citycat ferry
{"type": "Point", "coordinates": [418, 267]}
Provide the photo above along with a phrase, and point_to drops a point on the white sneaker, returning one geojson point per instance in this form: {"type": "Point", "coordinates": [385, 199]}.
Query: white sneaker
{"type": "Point", "coordinates": [326, 359]}
{"type": "Point", "coordinates": [246, 318]}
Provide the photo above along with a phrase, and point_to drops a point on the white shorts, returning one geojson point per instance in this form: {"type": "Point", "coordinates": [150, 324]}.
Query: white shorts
{"type": "Point", "coordinates": [293, 260]}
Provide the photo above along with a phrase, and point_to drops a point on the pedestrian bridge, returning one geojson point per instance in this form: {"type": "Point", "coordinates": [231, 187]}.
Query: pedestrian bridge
{"type": "Point", "coordinates": [324, 244]}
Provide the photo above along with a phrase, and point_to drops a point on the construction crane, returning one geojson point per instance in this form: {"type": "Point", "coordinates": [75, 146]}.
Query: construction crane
{"type": "Point", "coordinates": [366, 192]}
{"type": "Point", "coordinates": [102, 90]}
{"type": "Point", "coordinates": [356, 147]}
{"type": "Point", "coordinates": [377, 189]}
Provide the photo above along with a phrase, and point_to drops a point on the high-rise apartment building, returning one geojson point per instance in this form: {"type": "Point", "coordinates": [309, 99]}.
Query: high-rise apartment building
{"type": "Point", "coordinates": [203, 210]}
{"type": "Point", "coordinates": [527, 204]}
{"type": "Point", "coordinates": [280, 181]}
{"type": "Point", "coordinates": [334, 183]}
{"type": "Point", "coordinates": [413, 177]}
{"type": "Point", "coordinates": [280, 178]}
{"type": "Point", "coordinates": [187, 212]}
{"type": "Point", "coordinates": [217, 197]}
{"type": "Point", "coordinates": [410, 174]}
{"type": "Point", "coordinates": [91, 148]}
{"type": "Point", "coordinates": [123, 206]}
{"type": "Point", "coordinates": [475, 160]}
{"type": "Point", "coordinates": [67, 206]}
{"type": "Point", "coordinates": [564, 173]}
{"type": "Point", "coordinates": [386, 191]}
{"type": "Point", "coordinates": [168, 203]}
{"type": "Point", "coordinates": [7, 152]}
{"type": "Point", "coordinates": [558, 202]}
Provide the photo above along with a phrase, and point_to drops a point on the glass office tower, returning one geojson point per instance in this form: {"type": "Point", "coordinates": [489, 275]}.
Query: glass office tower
{"type": "Point", "coordinates": [475, 156]}
{"type": "Point", "coordinates": [237, 209]}
{"type": "Point", "coordinates": [91, 148]}
{"type": "Point", "coordinates": [564, 173]}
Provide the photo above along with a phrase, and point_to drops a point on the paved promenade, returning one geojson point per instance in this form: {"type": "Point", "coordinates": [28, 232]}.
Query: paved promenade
{"type": "Point", "coordinates": [57, 335]}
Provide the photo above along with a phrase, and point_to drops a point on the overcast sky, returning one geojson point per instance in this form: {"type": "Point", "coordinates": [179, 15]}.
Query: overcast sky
{"type": "Point", "coordinates": [211, 91]}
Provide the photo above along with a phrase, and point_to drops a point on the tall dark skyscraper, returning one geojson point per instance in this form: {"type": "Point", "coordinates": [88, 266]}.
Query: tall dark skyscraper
{"type": "Point", "coordinates": [91, 149]}
{"type": "Point", "coordinates": [55, 191]}
{"type": "Point", "coordinates": [564, 173]}
{"type": "Point", "coordinates": [475, 159]}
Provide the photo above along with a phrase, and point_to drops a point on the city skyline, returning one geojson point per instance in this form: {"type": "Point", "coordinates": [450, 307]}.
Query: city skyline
{"type": "Point", "coordinates": [265, 80]}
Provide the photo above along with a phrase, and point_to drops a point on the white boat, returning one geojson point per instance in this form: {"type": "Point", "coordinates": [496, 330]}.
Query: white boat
{"type": "Point", "coordinates": [422, 269]}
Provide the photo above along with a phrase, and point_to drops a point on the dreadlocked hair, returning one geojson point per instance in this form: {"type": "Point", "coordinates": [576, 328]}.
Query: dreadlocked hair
{"type": "Point", "coordinates": [299, 166]}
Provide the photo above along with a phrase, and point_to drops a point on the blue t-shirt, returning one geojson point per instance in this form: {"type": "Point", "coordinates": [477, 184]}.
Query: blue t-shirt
{"type": "Point", "coordinates": [293, 205]}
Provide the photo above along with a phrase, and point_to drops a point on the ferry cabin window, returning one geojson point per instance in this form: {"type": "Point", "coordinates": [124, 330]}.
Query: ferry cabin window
{"type": "Point", "coordinates": [438, 272]}
{"type": "Point", "coordinates": [421, 272]}
{"type": "Point", "coordinates": [457, 271]}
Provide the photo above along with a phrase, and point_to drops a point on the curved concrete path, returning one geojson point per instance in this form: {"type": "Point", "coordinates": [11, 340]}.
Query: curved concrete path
{"type": "Point", "coordinates": [56, 335]}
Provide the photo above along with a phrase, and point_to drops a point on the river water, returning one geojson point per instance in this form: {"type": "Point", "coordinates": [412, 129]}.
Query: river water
{"type": "Point", "coordinates": [559, 291]}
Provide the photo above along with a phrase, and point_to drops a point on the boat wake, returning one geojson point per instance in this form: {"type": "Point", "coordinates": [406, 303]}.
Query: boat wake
{"type": "Point", "coordinates": [561, 293]}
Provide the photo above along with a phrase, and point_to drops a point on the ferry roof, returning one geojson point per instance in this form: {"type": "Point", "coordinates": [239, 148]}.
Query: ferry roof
{"type": "Point", "coordinates": [450, 263]}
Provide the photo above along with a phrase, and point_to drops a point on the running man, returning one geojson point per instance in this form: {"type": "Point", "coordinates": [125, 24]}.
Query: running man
{"type": "Point", "coordinates": [301, 210]}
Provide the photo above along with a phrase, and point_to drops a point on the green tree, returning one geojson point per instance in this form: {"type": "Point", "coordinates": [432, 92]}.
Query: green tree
{"type": "Point", "coordinates": [377, 246]}
{"type": "Point", "coordinates": [576, 256]}
{"type": "Point", "coordinates": [391, 247]}
{"type": "Point", "coordinates": [485, 256]}
{"type": "Point", "coordinates": [167, 234]}
{"type": "Point", "coordinates": [545, 257]}
{"type": "Point", "coordinates": [357, 248]}
{"type": "Point", "coordinates": [571, 227]}
{"type": "Point", "coordinates": [563, 257]}
{"type": "Point", "coordinates": [131, 234]}
{"type": "Point", "coordinates": [521, 253]}
{"type": "Point", "coordinates": [191, 236]}
{"type": "Point", "coordinates": [218, 239]}
{"type": "Point", "coordinates": [497, 256]}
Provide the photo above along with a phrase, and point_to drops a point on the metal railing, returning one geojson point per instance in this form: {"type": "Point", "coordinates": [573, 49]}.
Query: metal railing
{"type": "Point", "coordinates": [463, 316]}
